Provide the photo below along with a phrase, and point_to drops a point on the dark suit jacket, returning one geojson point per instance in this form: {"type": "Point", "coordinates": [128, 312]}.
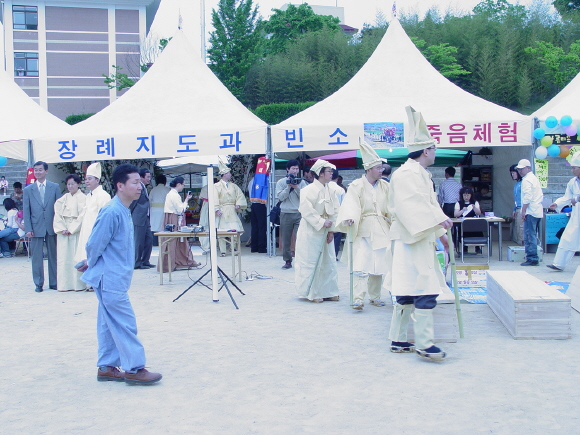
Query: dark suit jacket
{"type": "Point", "coordinates": [38, 217]}
{"type": "Point", "coordinates": [140, 209]}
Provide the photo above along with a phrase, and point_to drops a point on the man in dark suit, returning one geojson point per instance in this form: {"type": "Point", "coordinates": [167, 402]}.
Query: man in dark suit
{"type": "Point", "coordinates": [141, 224]}
{"type": "Point", "coordinates": [38, 206]}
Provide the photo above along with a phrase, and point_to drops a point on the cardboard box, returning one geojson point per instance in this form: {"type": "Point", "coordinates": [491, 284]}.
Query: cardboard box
{"type": "Point", "coordinates": [518, 254]}
{"type": "Point", "coordinates": [527, 307]}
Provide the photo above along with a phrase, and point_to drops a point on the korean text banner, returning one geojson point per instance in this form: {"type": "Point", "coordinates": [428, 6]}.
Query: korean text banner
{"type": "Point", "coordinates": [344, 136]}
{"type": "Point", "coordinates": [151, 145]}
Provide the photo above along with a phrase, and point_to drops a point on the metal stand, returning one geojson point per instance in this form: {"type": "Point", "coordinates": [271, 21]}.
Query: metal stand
{"type": "Point", "coordinates": [224, 279]}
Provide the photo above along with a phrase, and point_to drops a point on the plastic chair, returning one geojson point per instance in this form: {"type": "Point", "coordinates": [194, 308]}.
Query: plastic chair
{"type": "Point", "coordinates": [23, 240]}
{"type": "Point", "coordinates": [475, 225]}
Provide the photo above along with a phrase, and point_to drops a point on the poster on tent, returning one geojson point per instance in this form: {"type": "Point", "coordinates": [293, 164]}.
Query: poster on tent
{"type": "Point", "coordinates": [229, 141]}
{"type": "Point", "coordinates": [541, 167]}
{"type": "Point", "coordinates": [384, 134]}
{"type": "Point", "coordinates": [343, 136]}
{"type": "Point", "coordinates": [563, 139]}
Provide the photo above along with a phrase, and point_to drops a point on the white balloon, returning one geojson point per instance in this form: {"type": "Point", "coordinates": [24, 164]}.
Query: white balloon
{"type": "Point", "coordinates": [541, 152]}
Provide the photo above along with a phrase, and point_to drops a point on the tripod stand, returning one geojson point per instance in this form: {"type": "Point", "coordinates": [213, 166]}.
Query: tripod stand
{"type": "Point", "coordinates": [224, 279]}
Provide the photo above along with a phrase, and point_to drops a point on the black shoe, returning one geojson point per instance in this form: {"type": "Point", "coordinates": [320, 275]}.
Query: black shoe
{"type": "Point", "coordinates": [52, 287]}
{"type": "Point", "coordinates": [141, 267]}
{"type": "Point", "coordinates": [288, 265]}
{"type": "Point", "coordinates": [264, 251]}
{"type": "Point", "coordinates": [433, 353]}
{"type": "Point", "coordinates": [254, 250]}
{"type": "Point", "coordinates": [553, 267]}
{"type": "Point", "coordinates": [402, 347]}
{"type": "Point", "coordinates": [530, 263]}
{"type": "Point", "coordinates": [38, 289]}
{"type": "Point", "coordinates": [149, 265]}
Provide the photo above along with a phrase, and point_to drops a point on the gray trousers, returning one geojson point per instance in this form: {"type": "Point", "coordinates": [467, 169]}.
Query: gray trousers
{"type": "Point", "coordinates": [289, 223]}
{"type": "Point", "coordinates": [143, 244]}
{"type": "Point", "coordinates": [36, 244]}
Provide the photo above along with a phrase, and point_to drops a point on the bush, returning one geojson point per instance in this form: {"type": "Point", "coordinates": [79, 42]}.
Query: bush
{"type": "Point", "coordinates": [275, 113]}
{"type": "Point", "coordinates": [75, 119]}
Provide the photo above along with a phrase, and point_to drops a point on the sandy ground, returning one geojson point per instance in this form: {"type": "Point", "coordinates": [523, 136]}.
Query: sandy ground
{"type": "Point", "coordinates": [278, 365]}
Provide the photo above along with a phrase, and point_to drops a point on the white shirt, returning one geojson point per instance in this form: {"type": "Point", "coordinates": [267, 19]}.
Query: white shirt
{"type": "Point", "coordinates": [532, 195]}
{"type": "Point", "coordinates": [174, 204]}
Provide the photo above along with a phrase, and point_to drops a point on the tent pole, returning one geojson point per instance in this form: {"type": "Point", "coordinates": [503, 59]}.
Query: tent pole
{"type": "Point", "coordinates": [271, 233]}
{"type": "Point", "coordinates": [30, 154]}
{"type": "Point", "coordinates": [212, 233]}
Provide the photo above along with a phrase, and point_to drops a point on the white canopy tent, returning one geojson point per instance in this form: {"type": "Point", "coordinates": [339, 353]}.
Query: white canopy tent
{"type": "Point", "coordinates": [21, 119]}
{"type": "Point", "coordinates": [179, 108]}
{"type": "Point", "coordinates": [397, 75]}
{"type": "Point", "coordinates": [190, 165]}
{"type": "Point", "coordinates": [565, 103]}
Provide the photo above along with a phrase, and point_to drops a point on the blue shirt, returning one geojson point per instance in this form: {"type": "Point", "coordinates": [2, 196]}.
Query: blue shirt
{"type": "Point", "coordinates": [110, 249]}
{"type": "Point", "coordinates": [518, 194]}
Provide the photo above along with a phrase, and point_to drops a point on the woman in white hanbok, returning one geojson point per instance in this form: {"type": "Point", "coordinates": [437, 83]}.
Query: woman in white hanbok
{"type": "Point", "coordinates": [67, 226]}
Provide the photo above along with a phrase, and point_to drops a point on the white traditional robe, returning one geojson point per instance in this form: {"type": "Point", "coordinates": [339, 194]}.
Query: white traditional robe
{"type": "Point", "coordinates": [157, 202]}
{"type": "Point", "coordinates": [227, 196]}
{"type": "Point", "coordinates": [96, 200]}
{"type": "Point", "coordinates": [67, 210]}
{"type": "Point", "coordinates": [315, 263]}
{"type": "Point", "coordinates": [416, 216]}
{"type": "Point", "coordinates": [204, 217]}
{"type": "Point", "coordinates": [570, 240]}
{"type": "Point", "coordinates": [367, 206]}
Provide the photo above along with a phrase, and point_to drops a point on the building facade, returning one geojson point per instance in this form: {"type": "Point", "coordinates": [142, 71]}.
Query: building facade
{"type": "Point", "coordinates": [58, 51]}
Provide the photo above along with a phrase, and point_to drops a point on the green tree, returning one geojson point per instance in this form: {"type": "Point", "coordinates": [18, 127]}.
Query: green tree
{"type": "Point", "coordinates": [566, 6]}
{"type": "Point", "coordinates": [286, 26]}
{"type": "Point", "coordinates": [235, 43]}
{"type": "Point", "coordinates": [118, 79]}
{"type": "Point", "coordinates": [559, 67]}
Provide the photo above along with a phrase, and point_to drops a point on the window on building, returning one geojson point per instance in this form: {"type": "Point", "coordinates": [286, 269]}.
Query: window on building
{"type": "Point", "coordinates": [25, 17]}
{"type": "Point", "coordinates": [26, 64]}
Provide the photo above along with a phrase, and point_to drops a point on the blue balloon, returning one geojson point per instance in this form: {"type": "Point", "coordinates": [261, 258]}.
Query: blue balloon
{"type": "Point", "coordinates": [554, 150]}
{"type": "Point", "coordinates": [3, 161]}
{"type": "Point", "coordinates": [565, 121]}
{"type": "Point", "coordinates": [551, 122]}
{"type": "Point", "coordinates": [539, 133]}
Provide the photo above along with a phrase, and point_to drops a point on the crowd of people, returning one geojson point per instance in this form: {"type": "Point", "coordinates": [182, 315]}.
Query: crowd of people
{"type": "Point", "coordinates": [393, 222]}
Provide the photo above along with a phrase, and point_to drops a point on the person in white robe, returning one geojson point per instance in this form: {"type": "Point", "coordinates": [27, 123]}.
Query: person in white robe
{"type": "Point", "coordinates": [417, 221]}
{"type": "Point", "coordinates": [315, 275]}
{"type": "Point", "coordinates": [204, 216]}
{"type": "Point", "coordinates": [97, 198]}
{"type": "Point", "coordinates": [230, 201]}
{"type": "Point", "coordinates": [67, 225]}
{"type": "Point", "coordinates": [157, 202]}
{"type": "Point", "coordinates": [570, 240]}
{"type": "Point", "coordinates": [364, 209]}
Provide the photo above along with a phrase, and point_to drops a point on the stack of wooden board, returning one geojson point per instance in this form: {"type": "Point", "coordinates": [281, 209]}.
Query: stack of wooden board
{"type": "Point", "coordinates": [527, 307]}
{"type": "Point", "coordinates": [444, 320]}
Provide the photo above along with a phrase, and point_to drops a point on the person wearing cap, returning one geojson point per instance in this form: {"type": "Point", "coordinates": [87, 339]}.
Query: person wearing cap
{"type": "Point", "coordinates": [315, 275]}
{"type": "Point", "coordinates": [364, 213]}
{"type": "Point", "coordinates": [157, 200]}
{"type": "Point", "coordinates": [97, 198]}
{"type": "Point", "coordinates": [230, 201]}
{"type": "Point", "coordinates": [204, 215]}
{"type": "Point", "coordinates": [518, 224]}
{"type": "Point", "coordinates": [532, 211]}
{"type": "Point", "coordinates": [570, 240]}
{"type": "Point", "coordinates": [38, 207]}
{"type": "Point", "coordinates": [417, 222]}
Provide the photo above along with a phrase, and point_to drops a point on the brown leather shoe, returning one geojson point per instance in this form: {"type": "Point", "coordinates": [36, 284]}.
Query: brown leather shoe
{"type": "Point", "coordinates": [142, 377]}
{"type": "Point", "coordinates": [111, 374]}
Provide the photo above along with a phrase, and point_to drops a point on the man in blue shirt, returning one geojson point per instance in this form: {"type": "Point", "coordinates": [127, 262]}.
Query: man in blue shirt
{"type": "Point", "coordinates": [109, 269]}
